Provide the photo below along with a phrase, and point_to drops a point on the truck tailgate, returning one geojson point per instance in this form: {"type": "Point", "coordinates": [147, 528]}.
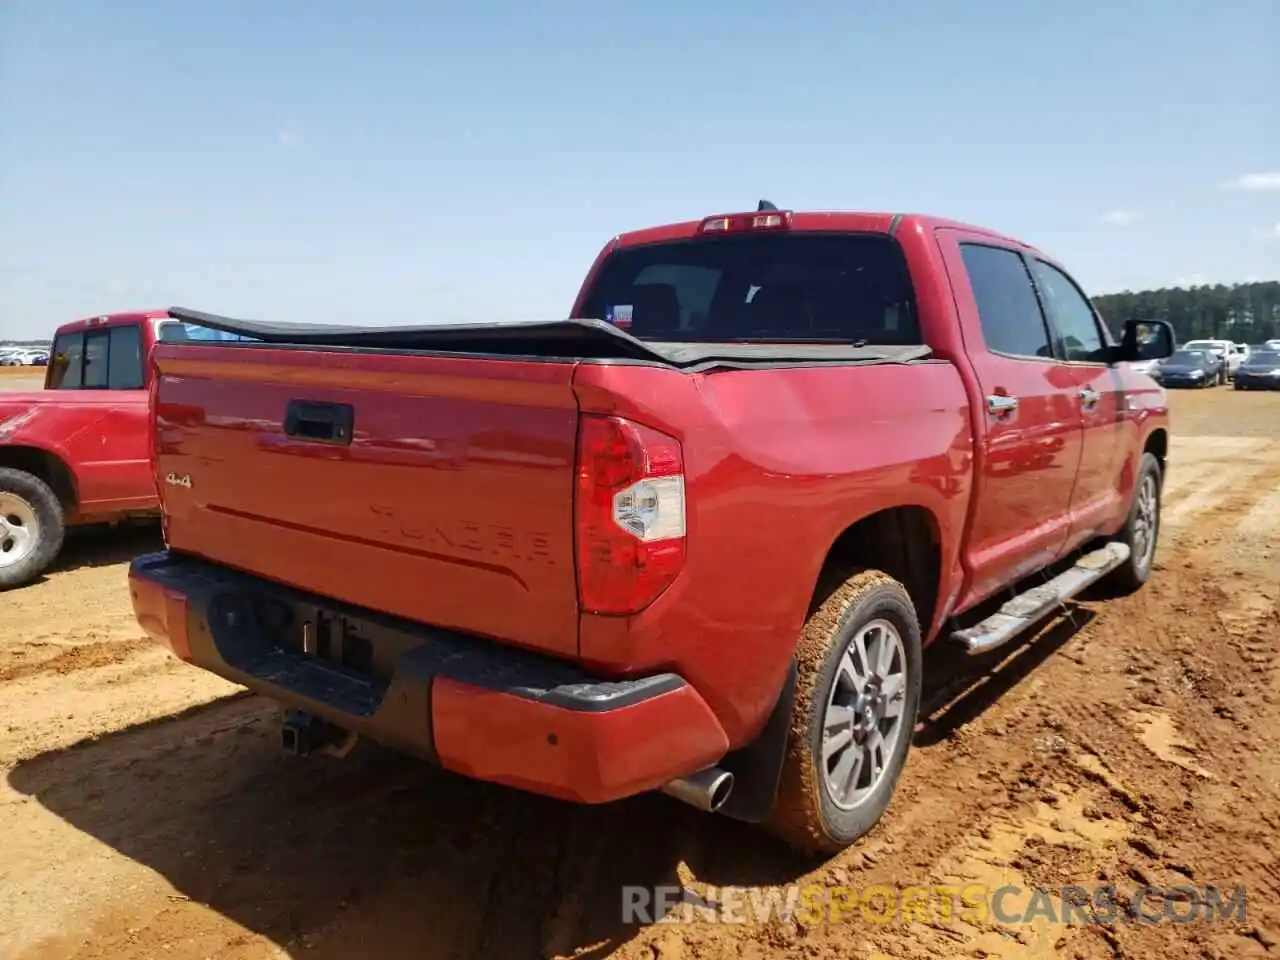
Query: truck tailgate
{"type": "Point", "coordinates": [435, 488]}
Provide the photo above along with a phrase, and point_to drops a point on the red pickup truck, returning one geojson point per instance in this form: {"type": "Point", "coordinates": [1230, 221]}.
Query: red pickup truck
{"type": "Point", "coordinates": [693, 541]}
{"type": "Point", "coordinates": [78, 451]}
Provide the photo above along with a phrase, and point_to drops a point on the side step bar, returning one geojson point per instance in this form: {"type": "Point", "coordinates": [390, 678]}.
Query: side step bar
{"type": "Point", "coordinates": [1028, 609]}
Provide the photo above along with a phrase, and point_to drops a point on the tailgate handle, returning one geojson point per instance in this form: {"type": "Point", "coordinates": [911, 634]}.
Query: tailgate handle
{"type": "Point", "coordinates": [319, 422]}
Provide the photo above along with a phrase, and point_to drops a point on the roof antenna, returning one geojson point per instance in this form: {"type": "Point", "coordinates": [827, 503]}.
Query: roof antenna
{"type": "Point", "coordinates": [764, 205]}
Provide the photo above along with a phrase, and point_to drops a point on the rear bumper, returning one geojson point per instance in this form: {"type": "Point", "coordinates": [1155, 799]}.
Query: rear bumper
{"type": "Point", "coordinates": [473, 706]}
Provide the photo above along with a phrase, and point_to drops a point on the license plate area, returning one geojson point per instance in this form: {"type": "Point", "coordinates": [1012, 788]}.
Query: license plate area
{"type": "Point", "coordinates": [252, 624]}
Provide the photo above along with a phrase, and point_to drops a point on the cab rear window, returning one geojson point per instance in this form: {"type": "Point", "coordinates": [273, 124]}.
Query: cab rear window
{"type": "Point", "coordinates": [794, 287]}
{"type": "Point", "coordinates": [107, 358]}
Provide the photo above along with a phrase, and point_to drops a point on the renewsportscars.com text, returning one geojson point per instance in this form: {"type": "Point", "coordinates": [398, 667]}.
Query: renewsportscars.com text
{"type": "Point", "coordinates": [974, 903]}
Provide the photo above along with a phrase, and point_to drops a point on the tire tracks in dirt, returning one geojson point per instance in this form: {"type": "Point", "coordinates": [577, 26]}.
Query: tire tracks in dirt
{"type": "Point", "coordinates": [1133, 742]}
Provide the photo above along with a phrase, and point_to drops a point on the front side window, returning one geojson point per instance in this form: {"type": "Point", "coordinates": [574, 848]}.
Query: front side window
{"type": "Point", "coordinates": [782, 287]}
{"type": "Point", "coordinates": [1008, 311]}
{"type": "Point", "coordinates": [1079, 336]}
{"type": "Point", "coordinates": [109, 358]}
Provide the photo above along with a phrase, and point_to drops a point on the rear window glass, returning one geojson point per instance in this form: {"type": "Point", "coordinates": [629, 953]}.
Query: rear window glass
{"type": "Point", "coordinates": [179, 331]}
{"type": "Point", "coordinates": [106, 358]}
{"type": "Point", "coordinates": [1189, 356]}
{"type": "Point", "coordinates": [771, 287]}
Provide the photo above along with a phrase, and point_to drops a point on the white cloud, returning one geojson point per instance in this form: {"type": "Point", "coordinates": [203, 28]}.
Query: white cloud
{"type": "Point", "coordinates": [287, 136]}
{"type": "Point", "coordinates": [1120, 218]}
{"type": "Point", "coordinates": [1270, 180]}
{"type": "Point", "coordinates": [1270, 233]}
{"type": "Point", "coordinates": [1195, 280]}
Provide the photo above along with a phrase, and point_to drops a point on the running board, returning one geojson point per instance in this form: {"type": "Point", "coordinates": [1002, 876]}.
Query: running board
{"type": "Point", "coordinates": [1027, 609]}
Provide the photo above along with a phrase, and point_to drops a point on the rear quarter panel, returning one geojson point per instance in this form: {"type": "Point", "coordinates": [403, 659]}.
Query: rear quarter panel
{"type": "Point", "coordinates": [778, 463]}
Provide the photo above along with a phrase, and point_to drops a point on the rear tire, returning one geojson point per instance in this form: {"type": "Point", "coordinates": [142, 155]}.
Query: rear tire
{"type": "Point", "coordinates": [858, 670]}
{"type": "Point", "coordinates": [1141, 530]}
{"type": "Point", "coordinates": [31, 527]}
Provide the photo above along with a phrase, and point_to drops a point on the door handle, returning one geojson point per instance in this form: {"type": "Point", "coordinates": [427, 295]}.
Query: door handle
{"type": "Point", "coordinates": [319, 422]}
{"type": "Point", "coordinates": [999, 405]}
{"type": "Point", "coordinates": [1089, 397]}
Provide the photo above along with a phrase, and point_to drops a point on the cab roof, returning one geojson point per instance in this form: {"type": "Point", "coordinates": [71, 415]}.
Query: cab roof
{"type": "Point", "coordinates": [818, 221]}
{"type": "Point", "coordinates": [111, 320]}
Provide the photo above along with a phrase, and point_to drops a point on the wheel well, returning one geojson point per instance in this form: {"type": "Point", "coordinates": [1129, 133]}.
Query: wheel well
{"type": "Point", "coordinates": [1158, 446]}
{"type": "Point", "coordinates": [46, 466]}
{"type": "Point", "coordinates": [901, 541]}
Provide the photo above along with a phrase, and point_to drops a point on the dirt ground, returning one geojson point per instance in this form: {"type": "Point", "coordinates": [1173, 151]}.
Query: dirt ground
{"type": "Point", "coordinates": [21, 378]}
{"type": "Point", "coordinates": [148, 811]}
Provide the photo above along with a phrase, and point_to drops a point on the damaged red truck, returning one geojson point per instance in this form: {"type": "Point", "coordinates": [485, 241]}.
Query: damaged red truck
{"type": "Point", "coordinates": [695, 541]}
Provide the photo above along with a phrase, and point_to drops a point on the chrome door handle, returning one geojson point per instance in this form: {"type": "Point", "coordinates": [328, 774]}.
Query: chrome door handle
{"type": "Point", "coordinates": [999, 404]}
{"type": "Point", "coordinates": [1089, 396]}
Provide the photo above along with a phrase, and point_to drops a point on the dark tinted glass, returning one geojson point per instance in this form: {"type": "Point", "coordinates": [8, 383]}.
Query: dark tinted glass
{"type": "Point", "coordinates": [1007, 306]}
{"type": "Point", "coordinates": [771, 287]}
{"type": "Point", "coordinates": [1079, 336]}
{"type": "Point", "coordinates": [124, 365]}
{"type": "Point", "coordinates": [67, 361]}
{"type": "Point", "coordinates": [103, 359]}
{"type": "Point", "coordinates": [96, 347]}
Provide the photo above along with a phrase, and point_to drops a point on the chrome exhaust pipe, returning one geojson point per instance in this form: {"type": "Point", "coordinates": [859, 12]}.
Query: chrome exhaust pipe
{"type": "Point", "coordinates": [707, 789]}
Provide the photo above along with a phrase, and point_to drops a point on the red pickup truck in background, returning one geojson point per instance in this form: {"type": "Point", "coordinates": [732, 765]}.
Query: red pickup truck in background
{"type": "Point", "coordinates": [695, 541]}
{"type": "Point", "coordinates": [78, 451]}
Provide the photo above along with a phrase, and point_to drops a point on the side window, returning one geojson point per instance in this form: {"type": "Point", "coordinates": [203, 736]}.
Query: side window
{"type": "Point", "coordinates": [124, 362]}
{"type": "Point", "coordinates": [1008, 309]}
{"type": "Point", "coordinates": [1079, 336]}
{"type": "Point", "coordinates": [66, 361]}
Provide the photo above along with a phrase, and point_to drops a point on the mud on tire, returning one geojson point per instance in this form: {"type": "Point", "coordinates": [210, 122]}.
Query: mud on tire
{"type": "Point", "coordinates": [809, 815]}
{"type": "Point", "coordinates": [31, 527]}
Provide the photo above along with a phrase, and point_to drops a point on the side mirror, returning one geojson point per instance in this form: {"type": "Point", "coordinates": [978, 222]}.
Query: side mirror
{"type": "Point", "coordinates": [1146, 340]}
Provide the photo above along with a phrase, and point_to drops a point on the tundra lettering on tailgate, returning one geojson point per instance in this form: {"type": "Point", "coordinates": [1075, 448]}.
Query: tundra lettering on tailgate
{"type": "Point", "coordinates": [486, 539]}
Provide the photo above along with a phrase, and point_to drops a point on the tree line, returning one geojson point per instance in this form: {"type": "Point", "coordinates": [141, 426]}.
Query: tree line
{"type": "Point", "coordinates": [1243, 312]}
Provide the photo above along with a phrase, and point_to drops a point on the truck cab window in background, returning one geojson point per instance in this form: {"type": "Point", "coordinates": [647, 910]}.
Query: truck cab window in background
{"type": "Point", "coordinates": [106, 358]}
{"type": "Point", "coordinates": [776, 287]}
{"type": "Point", "coordinates": [171, 331]}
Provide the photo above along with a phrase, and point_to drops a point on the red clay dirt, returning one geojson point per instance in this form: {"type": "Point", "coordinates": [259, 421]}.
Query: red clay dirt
{"type": "Point", "coordinates": [148, 811]}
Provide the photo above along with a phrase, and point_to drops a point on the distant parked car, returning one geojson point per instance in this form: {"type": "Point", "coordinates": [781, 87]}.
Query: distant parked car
{"type": "Point", "coordinates": [1261, 371]}
{"type": "Point", "coordinates": [1189, 368]}
{"type": "Point", "coordinates": [1230, 354]}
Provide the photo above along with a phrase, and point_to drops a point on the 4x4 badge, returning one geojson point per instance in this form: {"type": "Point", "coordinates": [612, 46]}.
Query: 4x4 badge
{"type": "Point", "coordinates": [174, 480]}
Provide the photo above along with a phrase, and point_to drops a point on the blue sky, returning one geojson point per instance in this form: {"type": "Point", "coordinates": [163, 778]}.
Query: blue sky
{"type": "Point", "coordinates": [380, 162]}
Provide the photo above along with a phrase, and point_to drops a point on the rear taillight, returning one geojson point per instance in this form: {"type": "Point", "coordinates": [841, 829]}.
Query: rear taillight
{"type": "Point", "coordinates": [630, 514]}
